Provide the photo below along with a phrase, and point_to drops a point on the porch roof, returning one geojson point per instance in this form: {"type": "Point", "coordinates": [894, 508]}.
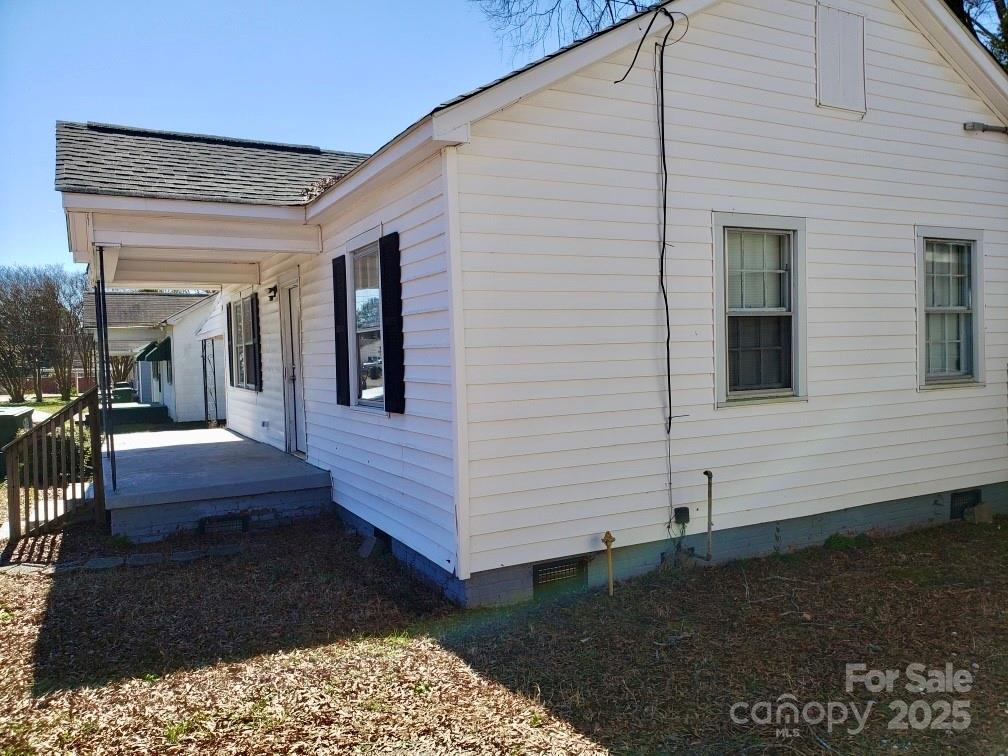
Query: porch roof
{"type": "Point", "coordinates": [139, 308]}
{"type": "Point", "coordinates": [96, 158]}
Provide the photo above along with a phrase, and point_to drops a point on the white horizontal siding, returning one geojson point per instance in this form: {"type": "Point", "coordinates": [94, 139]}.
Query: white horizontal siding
{"type": "Point", "coordinates": [396, 471]}
{"type": "Point", "coordinates": [564, 330]}
{"type": "Point", "coordinates": [187, 365]}
{"type": "Point", "coordinates": [260, 414]}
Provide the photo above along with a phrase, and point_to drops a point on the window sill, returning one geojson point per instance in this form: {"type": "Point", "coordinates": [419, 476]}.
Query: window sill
{"type": "Point", "coordinates": [964, 383]}
{"type": "Point", "coordinates": [746, 401]}
{"type": "Point", "coordinates": [369, 408]}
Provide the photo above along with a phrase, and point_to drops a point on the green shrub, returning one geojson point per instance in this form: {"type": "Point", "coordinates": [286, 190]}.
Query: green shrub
{"type": "Point", "coordinates": [842, 542]}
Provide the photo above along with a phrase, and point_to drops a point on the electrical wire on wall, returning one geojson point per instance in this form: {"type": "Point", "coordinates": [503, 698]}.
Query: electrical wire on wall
{"type": "Point", "coordinates": [659, 69]}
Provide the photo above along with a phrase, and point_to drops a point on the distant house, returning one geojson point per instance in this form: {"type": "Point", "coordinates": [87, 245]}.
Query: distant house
{"type": "Point", "coordinates": [172, 339]}
{"type": "Point", "coordinates": [199, 362]}
{"type": "Point", "coordinates": [468, 330]}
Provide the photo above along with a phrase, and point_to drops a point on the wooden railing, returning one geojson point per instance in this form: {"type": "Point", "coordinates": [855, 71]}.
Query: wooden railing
{"type": "Point", "coordinates": [50, 467]}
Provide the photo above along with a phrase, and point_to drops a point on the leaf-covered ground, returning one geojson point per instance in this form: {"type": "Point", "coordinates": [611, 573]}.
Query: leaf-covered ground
{"type": "Point", "coordinates": [297, 645]}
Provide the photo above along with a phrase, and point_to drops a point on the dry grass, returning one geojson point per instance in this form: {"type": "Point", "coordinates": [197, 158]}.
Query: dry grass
{"type": "Point", "coordinates": [299, 646]}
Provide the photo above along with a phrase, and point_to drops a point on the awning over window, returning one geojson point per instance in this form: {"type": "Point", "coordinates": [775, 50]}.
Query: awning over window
{"type": "Point", "coordinates": [141, 356]}
{"type": "Point", "coordinates": [161, 352]}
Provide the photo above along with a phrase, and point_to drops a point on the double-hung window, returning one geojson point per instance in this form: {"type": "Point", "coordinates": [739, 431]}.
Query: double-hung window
{"type": "Point", "coordinates": [949, 262]}
{"type": "Point", "coordinates": [243, 317]}
{"type": "Point", "coordinates": [368, 326]}
{"type": "Point", "coordinates": [759, 314]}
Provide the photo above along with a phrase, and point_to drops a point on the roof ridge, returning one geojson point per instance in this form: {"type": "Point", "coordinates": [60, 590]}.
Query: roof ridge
{"type": "Point", "coordinates": [182, 136]}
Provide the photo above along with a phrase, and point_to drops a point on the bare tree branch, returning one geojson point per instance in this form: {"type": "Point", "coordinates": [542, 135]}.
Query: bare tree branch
{"type": "Point", "coordinates": [41, 327]}
{"type": "Point", "coordinates": [988, 20]}
{"type": "Point", "coordinates": [526, 25]}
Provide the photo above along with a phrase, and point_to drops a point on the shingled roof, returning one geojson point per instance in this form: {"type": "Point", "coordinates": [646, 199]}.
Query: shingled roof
{"type": "Point", "coordinates": [140, 308]}
{"type": "Point", "coordinates": [95, 158]}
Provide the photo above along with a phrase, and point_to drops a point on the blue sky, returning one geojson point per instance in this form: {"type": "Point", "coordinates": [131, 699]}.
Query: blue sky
{"type": "Point", "coordinates": [334, 74]}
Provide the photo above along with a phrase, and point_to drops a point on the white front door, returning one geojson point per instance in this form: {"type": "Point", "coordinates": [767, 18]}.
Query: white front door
{"type": "Point", "coordinates": [290, 329]}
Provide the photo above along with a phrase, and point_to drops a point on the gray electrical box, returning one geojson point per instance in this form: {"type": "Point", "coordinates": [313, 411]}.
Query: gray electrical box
{"type": "Point", "coordinates": [12, 420]}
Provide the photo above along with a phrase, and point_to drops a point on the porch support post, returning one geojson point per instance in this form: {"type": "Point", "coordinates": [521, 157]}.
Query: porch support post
{"type": "Point", "coordinates": [105, 371]}
{"type": "Point", "coordinates": [206, 397]}
{"type": "Point", "coordinates": [94, 434]}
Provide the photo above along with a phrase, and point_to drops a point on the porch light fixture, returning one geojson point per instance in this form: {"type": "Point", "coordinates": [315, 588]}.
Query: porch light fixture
{"type": "Point", "coordinates": [271, 292]}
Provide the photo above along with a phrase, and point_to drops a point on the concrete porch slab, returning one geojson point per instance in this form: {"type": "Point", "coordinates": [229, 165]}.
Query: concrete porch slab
{"type": "Point", "coordinates": [166, 467]}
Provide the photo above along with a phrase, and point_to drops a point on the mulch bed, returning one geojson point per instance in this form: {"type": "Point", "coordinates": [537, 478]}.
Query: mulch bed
{"type": "Point", "coordinates": [297, 645]}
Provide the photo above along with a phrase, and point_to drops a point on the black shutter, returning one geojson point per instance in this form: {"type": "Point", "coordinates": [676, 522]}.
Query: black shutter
{"type": "Point", "coordinates": [342, 333]}
{"type": "Point", "coordinates": [256, 342]}
{"type": "Point", "coordinates": [230, 344]}
{"type": "Point", "coordinates": [393, 356]}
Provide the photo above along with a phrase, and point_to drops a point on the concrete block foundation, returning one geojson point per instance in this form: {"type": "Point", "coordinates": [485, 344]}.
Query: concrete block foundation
{"type": "Point", "coordinates": [514, 584]}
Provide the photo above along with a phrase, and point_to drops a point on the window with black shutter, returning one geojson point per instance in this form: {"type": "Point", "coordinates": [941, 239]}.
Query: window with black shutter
{"type": "Point", "coordinates": [392, 323]}
{"type": "Point", "coordinates": [371, 278]}
{"type": "Point", "coordinates": [244, 343]}
{"type": "Point", "coordinates": [368, 341]}
{"type": "Point", "coordinates": [231, 348]}
{"type": "Point", "coordinates": [342, 331]}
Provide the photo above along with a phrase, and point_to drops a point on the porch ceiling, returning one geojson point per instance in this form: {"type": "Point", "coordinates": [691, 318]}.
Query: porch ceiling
{"type": "Point", "coordinates": [176, 251]}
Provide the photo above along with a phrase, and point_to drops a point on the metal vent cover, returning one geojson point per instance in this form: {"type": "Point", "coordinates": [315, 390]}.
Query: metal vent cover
{"type": "Point", "coordinates": [551, 573]}
{"type": "Point", "coordinates": [961, 501]}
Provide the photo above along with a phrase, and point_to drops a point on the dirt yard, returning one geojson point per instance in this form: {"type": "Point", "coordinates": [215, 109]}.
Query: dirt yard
{"type": "Point", "coordinates": [297, 645]}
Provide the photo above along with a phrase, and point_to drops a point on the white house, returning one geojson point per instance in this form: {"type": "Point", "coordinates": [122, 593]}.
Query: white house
{"type": "Point", "coordinates": [136, 321]}
{"type": "Point", "coordinates": [177, 342]}
{"type": "Point", "coordinates": [197, 371]}
{"type": "Point", "coordinates": [468, 327]}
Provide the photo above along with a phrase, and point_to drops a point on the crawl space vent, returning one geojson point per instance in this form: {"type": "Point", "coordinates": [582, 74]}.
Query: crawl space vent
{"type": "Point", "coordinates": [563, 574]}
{"type": "Point", "coordinates": [222, 524]}
{"type": "Point", "coordinates": [963, 500]}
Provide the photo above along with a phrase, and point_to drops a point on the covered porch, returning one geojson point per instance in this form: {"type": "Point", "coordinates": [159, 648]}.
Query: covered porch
{"type": "Point", "coordinates": [141, 221]}
{"type": "Point", "coordinates": [207, 479]}
{"type": "Point", "coordinates": [179, 212]}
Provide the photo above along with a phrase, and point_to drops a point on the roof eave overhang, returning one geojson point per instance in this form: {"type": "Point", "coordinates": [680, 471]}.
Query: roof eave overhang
{"type": "Point", "coordinates": [451, 125]}
{"type": "Point", "coordinates": [185, 312]}
{"type": "Point", "coordinates": [456, 118]}
{"type": "Point", "coordinates": [396, 157]}
{"type": "Point", "coordinates": [962, 51]}
{"type": "Point", "coordinates": [117, 203]}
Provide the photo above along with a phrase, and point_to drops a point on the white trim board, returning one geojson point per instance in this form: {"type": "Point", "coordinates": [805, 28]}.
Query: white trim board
{"type": "Point", "coordinates": [977, 283]}
{"type": "Point", "coordinates": [799, 341]}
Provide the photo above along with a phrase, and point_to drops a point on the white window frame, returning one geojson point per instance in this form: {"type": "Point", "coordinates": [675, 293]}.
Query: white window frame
{"type": "Point", "coordinates": [237, 315]}
{"type": "Point", "coordinates": [796, 227]}
{"type": "Point", "coordinates": [975, 237]}
{"type": "Point", "coordinates": [364, 244]}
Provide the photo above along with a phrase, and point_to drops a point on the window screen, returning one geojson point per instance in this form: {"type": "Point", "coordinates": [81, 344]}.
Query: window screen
{"type": "Point", "coordinates": [244, 342]}
{"type": "Point", "coordinates": [759, 311]}
{"type": "Point", "coordinates": [948, 308]}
